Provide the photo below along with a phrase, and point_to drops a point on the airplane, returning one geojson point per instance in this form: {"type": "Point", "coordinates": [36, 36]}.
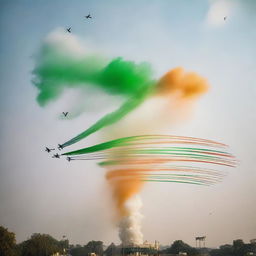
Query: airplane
{"type": "Point", "coordinates": [65, 113]}
{"type": "Point", "coordinates": [225, 17]}
{"type": "Point", "coordinates": [56, 156]}
{"type": "Point", "coordinates": [88, 16]}
{"type": "Point", "coordinates": [60, 147]}
{"type": "Point", "coordinates": [48, 150]}
{"type": "Point", "coordinates": [69, 158]}
{"type": "Point", "coordinates": [69, 30]}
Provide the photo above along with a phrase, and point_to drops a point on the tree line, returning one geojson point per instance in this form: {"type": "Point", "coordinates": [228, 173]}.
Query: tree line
{"type": "Point", "coordinates": [238, 248]}
{"type": "Point", "coordinates": [45, 245]}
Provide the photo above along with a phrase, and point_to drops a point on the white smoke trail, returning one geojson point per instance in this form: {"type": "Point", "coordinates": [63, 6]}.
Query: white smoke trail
{"type": "Point", "coordinates": [130, 225]}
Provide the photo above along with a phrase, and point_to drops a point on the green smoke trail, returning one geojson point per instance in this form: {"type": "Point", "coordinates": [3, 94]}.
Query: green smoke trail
{"type": "Point", "coordinates": [148, 139]}
{"type": "Point", "coordinates": [57, 69]}
{"type": "Point", "coordinates": [174, 181]}
{"type": "Point", "coordinates": [122, 151]}
{"type": "Point", "coordinates": [103, 146]}
{"type": "Point", "coordinates": [109, 118]}
{"type": "Point", "coordinates": [144, 158]}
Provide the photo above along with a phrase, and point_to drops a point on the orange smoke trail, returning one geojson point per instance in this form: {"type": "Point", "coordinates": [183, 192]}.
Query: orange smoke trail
{"type": "Point", "coordinates": [144, 161]}
{"type": "Point", "coordinates": [186, 85]}
{"type": "Point", "coordinates": [123, 189]}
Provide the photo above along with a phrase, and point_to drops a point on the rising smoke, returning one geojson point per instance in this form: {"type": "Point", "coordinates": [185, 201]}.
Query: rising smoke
{"type": "Point", "coordinates": [130, 225]}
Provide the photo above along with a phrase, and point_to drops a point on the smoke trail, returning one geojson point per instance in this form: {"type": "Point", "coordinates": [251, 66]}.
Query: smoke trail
{"type": "Point", "coordinates": [144, 140]}
{"type": "Point", "coordinates": [58, 67]}
{"type": "Point", "coordinates": [183, 84]}
{"type": "Point", "coordinates": [109, 118]}
{"type": "Point", "coordinates": [130, 161]}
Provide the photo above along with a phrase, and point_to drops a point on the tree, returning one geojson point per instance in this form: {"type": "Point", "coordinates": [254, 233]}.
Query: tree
{"type": "Point", "coordinates": [95, 246]}
{"type": "Point", "coordinates": [112, 250]}
{"type": "Point", "coordinates": [92, 246]}
{"type": "Point", "coordinates": [40, 245]}
{"type": "Point", "coordinates": [7, 242]}
{"type": "Point", "coordinates": [238, 247]}
{"type": "Point", "coordinates": [180, 246]}
{"type": "Point", "coordinates": [64, 244]}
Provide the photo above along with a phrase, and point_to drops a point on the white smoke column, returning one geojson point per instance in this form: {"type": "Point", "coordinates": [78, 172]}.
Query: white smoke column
{"type": "Point", "coordinates": [130, 225]}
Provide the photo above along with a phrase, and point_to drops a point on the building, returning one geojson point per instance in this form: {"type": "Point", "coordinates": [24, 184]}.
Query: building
{"type": "Point", "coordinates": [143, 249]}
{"type": "Point", "coordinates": [253, 241]}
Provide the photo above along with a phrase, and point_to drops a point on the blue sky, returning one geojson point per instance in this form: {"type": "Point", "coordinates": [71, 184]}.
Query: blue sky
{"type": "Point", "coordinates": [38, 194]}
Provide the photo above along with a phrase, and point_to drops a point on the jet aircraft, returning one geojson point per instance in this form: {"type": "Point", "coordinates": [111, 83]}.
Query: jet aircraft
{"type": "Point", "coordinates": [48, 150]}
{"type": "Point", "coordinates": [88, 16]}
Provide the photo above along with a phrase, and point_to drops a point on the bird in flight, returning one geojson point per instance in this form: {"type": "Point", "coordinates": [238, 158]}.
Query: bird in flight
{"type": "Point", "coordinates": [65, 113]}
{"type": "Point", "coordinates": [48, 150]}
{"type": "Point", "coordinates": [88, 16]}
{"type": "Point", "coordinates": [69, 30]}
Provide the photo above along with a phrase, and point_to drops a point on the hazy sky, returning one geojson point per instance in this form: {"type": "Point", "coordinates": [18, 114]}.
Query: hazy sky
{"type": "Point", "coordinates": [40, 194]}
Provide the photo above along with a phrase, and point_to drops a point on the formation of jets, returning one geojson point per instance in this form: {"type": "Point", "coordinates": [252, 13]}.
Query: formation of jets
{"type": "Point", "coordinates": [60, 147]}
{"type": "Point", "coordinates": [57, 155]}
{"type": "Point", "coordinates": [87, 17]}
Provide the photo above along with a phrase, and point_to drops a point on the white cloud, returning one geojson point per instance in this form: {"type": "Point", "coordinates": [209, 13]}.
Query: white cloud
{"type": "Point", "coordinates": [218, 10]}
{"type": "Point", "coordinates": [66, 42]}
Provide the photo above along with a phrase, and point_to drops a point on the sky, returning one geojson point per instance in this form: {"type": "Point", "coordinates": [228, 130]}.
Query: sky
{"type": "Point", "coordinates": [39, 194]}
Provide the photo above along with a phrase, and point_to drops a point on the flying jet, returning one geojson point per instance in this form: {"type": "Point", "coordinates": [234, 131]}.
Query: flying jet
{"type": "Point", "coordinates": [88, 16]}
{"type": "Point", "coordinates": [69, 30]}
{"type": "Point", "coordinates": [225, 17]}
{"type": "Point", "coordinates": [48, 150]}
{"type": "Point", "coordinates": [65, 113]}
{"type": "Point", "coordinates": [60, 147]}
{"type": "Point", "coordinates": [69, 158]}
{"type": "Point", "coordinates": [56, 156]}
